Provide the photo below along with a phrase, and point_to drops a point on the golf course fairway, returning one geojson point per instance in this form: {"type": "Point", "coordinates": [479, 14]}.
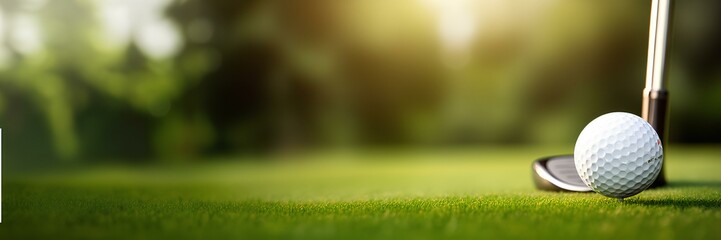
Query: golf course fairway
{"type": "Point", "coordinates": [482, 193]}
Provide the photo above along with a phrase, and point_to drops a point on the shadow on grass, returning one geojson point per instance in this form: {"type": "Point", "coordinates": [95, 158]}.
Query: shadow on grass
{"type": "Point", "coordinates": [678, 203]}
{"type": "Point", "coordinates": [693, 184]}
{"type": "Point", "coordinates": [707, 203]}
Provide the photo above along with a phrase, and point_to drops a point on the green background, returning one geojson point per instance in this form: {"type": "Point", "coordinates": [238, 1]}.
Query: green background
{"type": "Point", "coordinates": [178, 81]}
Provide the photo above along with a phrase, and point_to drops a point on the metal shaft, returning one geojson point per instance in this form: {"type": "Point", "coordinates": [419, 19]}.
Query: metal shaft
{"type": "Point", "coordinates": [657, 44]}
{"type": "Point", "coordinates": [655, 95]}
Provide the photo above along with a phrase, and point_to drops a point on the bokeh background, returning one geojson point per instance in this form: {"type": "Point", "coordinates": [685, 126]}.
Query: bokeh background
{"type": "Point", "coordinates": [169, 81]}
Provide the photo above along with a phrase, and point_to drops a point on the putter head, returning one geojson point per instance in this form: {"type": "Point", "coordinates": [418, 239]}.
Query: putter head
{"type": "Point", "coordinates": [558, 173]}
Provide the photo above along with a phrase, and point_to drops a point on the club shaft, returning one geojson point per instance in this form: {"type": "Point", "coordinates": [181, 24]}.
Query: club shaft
{"type": "Point", "coordinates": [661, 13]}
{"type": "Point", "coordinates": [655, 95]}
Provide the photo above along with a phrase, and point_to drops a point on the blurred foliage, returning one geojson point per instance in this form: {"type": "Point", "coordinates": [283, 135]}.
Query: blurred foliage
{"type": "Point", "coordinates": [176, 79]}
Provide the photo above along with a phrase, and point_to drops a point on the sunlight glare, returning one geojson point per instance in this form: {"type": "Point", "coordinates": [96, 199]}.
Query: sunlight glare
{"type": "Point", "coordinates": [457, 23]}
{"type": "Point", "coordinates": [143, 22]}
{"type": "Point", "coordinates": [26, 37]}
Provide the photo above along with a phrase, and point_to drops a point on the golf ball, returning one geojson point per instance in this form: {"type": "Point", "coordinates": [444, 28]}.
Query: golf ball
{"type": "Point", "coordinates": [618, 155]}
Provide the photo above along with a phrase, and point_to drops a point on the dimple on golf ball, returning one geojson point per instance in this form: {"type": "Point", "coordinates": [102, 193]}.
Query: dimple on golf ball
{"type": "Point", "coordinates": [618, 155]}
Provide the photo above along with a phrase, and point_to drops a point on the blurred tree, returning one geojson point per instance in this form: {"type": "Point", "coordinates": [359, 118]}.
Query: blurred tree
{"type": "Point", "coordinates": [135, 79]}
{"type": "Point", "coordinates": [91, 94]}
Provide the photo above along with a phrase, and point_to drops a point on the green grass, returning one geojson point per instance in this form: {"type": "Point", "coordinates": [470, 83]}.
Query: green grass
{"type": "Point", "coordinates": [479, 194]}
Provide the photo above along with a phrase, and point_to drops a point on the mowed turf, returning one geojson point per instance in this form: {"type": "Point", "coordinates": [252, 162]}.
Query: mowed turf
{"type": "Point", "coordinates": [479, 194]}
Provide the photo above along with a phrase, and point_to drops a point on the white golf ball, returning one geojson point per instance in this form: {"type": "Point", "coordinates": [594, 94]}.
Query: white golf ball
{"type": "Point", "coordinates": [618, 155]}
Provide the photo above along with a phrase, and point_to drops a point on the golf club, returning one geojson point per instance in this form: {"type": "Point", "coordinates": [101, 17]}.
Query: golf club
{"type": "Point", "coordinates": [558, 173]}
